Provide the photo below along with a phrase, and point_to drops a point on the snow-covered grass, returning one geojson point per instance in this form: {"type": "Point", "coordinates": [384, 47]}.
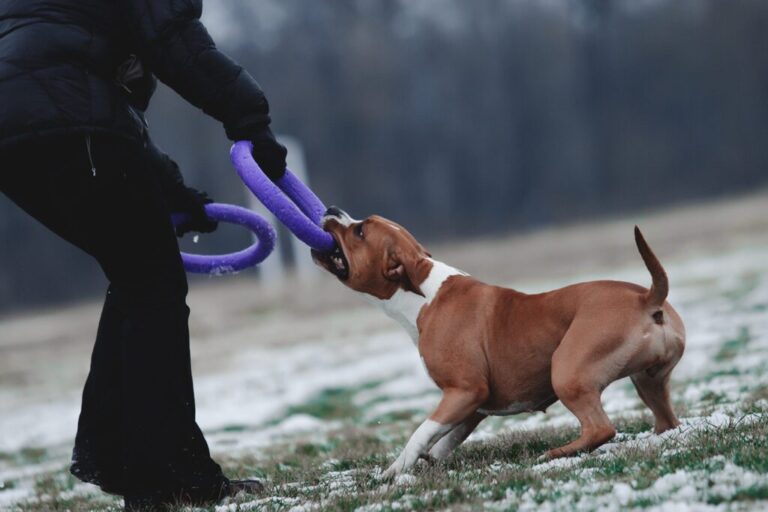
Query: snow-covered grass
{"type": "Point", "coordinates": [320, 417]}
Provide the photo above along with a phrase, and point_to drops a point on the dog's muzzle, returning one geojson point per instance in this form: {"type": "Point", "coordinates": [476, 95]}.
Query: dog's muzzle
{"type": "Point", "coordinates": [335, 261]}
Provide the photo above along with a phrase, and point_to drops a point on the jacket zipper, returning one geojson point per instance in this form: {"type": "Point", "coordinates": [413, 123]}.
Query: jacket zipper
{"type": "Point", "coordinates": [90, 156]}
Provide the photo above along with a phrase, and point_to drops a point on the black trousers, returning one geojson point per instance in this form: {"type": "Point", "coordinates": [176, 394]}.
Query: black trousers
{"type": "Point", "coordinates": [137, 434]}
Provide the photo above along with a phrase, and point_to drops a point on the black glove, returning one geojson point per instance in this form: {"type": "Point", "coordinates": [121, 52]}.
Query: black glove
{"type": "Point", "coordinates": [269, 154]}
{"type": "Point", "coordinates": [191, 202]}
{"type": "Point", "coordinates": [179, 197]}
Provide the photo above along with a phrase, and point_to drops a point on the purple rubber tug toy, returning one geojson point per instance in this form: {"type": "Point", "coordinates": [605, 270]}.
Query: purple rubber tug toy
{"type": "Point", "coordinates": [288, 199]}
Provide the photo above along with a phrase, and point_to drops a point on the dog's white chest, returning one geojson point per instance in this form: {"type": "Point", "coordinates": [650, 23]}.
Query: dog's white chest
{"type": "Point", "coordinates": [405, 306]}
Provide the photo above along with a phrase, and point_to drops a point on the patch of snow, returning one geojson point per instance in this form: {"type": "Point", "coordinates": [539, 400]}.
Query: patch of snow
{"type": "Point", "coordinates": [10, 497]}
{"type": "Point", "coordinates": [405, 479]}
{"type": "Point", "coordinates": [719, 296]}
{"type": "Point", "coordinates": [562, 462]}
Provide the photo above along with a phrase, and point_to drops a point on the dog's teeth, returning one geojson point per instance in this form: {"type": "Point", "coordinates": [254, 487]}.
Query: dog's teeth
{"type": "Point", "coordinates": [338, 262]}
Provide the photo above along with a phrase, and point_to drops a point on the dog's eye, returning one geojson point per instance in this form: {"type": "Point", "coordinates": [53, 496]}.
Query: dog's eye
{"type": "Point", "coordinates": [359, 231]}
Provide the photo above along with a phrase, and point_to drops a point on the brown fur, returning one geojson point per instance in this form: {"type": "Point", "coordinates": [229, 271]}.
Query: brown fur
{"type": "Point", "coordinates": [489, 347]}
{"type": "Point", "coordinates": [660, 286]}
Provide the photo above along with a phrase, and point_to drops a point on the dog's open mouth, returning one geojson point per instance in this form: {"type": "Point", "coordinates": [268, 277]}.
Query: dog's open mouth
{"type": "Point", "coordinates": [334, 262]}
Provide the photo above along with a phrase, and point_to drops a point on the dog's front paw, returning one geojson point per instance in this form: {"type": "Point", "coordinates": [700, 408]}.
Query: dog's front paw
{"type": "Point", "coordinates": [390, 473]}
{"type": "Point", "coordinates": [428, 458]}
{"type": "Point", "coordinates": [403, 463]}
{"type": "Point", "coordinates": [394, 475]}
{"type": "Point", "coordinates": [400, 465]}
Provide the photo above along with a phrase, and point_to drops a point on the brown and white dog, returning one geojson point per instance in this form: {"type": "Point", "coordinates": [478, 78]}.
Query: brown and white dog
{"type": "Point", "coordinates": [496, 351]}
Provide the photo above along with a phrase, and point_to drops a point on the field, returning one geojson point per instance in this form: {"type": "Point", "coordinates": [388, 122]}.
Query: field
{"type": "Point", "coordinates": [317, 396]}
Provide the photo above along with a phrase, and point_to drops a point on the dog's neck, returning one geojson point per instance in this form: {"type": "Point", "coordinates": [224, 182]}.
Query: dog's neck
{"type": "Point", "coordinates": [405, 306]}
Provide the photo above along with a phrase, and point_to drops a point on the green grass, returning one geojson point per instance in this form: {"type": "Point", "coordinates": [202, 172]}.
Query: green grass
{"type": "Point", "coordinates": [726, 465]}
{"type": "Point", "coordinates": [334, 403]}
{"type": "Point", "coordinates": [734, 346]}
{"type": "Point", "coordinates": [752, 493]}
{"type": "Point", "coordinates": [56, 492]}
{"type": "Point", "coordinates": [748, 284]}
{"type": "Point", "coordinates": [484, 472]}
{"type": "Point", "coordinates": [336, 471]}
{"type": "Point", "coordinates": [713, 398]}
{"type": "Point", "coordinates": [729, 372]}
{"type": "Point", "coordinates": [32, 455]}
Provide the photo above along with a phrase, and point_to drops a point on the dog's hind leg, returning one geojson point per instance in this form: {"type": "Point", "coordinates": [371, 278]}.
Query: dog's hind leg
{"type": "Point", "coordinates": [583, 400]}
{"type": "Point", "coordinates": [652, 383]}
{"type": "Point", "coordinates": [654, 391]}
{"type": "Point", "coordinates": [578, 379]}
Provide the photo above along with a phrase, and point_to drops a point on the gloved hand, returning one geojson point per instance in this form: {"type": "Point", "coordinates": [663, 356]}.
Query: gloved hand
{"type": "Point", "coordinates": [179, 197]}
{"type": "Point", "coordinates": [269, 154]}
{"type": "Point", "coordinates": [191, 202]}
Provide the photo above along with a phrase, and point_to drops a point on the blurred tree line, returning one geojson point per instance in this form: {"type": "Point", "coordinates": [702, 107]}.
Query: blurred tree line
{"type": "Point", "coordinates": [459, 118]}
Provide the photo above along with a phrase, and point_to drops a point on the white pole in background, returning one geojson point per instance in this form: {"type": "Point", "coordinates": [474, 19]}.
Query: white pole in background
{"type": "Point", "coordinates": [274, 269]}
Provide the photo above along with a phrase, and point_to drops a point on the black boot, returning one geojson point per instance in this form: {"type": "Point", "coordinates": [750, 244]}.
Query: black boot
{"type": "Point", "coordinates": [230, 488]}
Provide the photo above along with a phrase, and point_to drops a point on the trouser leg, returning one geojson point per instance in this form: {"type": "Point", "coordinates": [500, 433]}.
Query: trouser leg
{"type": "Point", "coordinates": [119, 217]}
{"type": "Point", "coordinates": [53, 189]}
{"type": "Point", "coordinates": [97, 455]}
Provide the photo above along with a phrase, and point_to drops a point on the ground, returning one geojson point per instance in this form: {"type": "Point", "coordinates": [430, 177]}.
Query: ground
{"type": "Point", "coordinates": [317, 396]}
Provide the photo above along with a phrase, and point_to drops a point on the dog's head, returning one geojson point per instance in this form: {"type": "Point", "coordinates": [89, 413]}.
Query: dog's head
{"type": "Point", "coordinates": [374, 255]}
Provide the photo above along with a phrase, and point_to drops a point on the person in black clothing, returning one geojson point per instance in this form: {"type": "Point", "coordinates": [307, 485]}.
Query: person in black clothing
{"type": "Point", "coordinates": [75, 79]}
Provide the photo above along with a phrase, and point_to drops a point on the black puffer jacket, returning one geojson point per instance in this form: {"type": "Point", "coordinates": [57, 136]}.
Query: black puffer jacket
{"type": "Point", "coordinates": [59, 61]}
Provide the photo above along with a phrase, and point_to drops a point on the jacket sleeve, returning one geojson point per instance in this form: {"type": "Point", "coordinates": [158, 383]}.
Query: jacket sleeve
{"type": "Point", "coordinates": [168, 173]}
{"type": "Point", "coordinates": [181, 53]}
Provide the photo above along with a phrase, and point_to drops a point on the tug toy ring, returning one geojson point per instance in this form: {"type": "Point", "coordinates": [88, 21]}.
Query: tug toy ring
{"type": "Point", "coordinates": [302, 214]}
{"type": "Point", "coordinates": [218, 264]}
{"type": "Point", "coordinates": [288, 199]}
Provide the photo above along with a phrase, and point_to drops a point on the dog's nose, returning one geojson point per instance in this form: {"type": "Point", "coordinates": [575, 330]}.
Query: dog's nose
{"type": "Point", "coordinates": [334, 211]}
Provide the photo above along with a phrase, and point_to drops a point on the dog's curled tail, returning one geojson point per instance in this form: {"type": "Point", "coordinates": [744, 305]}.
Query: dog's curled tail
{"type": "Point", "coordinates": [660, 287]}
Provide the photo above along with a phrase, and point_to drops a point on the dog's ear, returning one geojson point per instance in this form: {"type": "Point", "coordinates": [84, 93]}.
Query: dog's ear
{"type": "Point", "coordinates": [395, 273]}
{"type": "Point", "coordinates": [403, 269]}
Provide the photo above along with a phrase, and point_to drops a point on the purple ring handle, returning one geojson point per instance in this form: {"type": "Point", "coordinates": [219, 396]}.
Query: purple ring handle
{"type": "Point", "coordinates": [217, 264]}
{"type": "Point", "coordinates": [301, 214]}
